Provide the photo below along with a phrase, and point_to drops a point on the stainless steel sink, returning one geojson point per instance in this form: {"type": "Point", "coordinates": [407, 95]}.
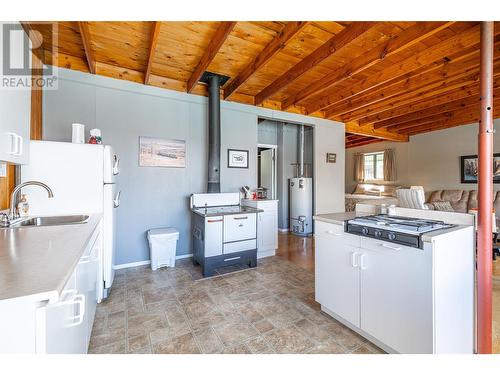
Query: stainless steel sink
{"type": "Point", "coordinates": [41, 221]}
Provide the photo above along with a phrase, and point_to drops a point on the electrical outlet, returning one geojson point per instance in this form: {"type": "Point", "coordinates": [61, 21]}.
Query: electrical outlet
{"type": "Point", "coordinates": [3, 169]}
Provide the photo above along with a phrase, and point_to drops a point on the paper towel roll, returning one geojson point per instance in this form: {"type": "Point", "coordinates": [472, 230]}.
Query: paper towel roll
{"type": "Point", "coordinates": [78, 135]}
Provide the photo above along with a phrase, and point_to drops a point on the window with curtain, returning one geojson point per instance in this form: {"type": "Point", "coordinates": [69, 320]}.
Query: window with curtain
{"type": "Point", "coordinates": [374, 166]}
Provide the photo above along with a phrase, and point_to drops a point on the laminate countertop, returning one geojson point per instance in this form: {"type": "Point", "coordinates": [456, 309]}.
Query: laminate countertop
{"type": "Point", "coordinates": [340, 217]}
{"type": "Point", "coordinates": [40, 260]}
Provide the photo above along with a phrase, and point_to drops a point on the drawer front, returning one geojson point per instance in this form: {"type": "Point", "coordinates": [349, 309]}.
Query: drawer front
{"type": "Point", "coordinates": [335, 231]}
{"type": "Point", "coordinates": [384, 246]}
{"type": "Point", "coordinates": [240, 227]}
{"type": "Point", "coordinates": [234, 247]}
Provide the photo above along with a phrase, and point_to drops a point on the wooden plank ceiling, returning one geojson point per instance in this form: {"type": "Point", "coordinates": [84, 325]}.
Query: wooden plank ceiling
{"type": "Point", "coordinates": [385, 80]}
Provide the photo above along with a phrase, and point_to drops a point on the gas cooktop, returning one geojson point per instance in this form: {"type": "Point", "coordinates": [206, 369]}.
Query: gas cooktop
{"type": "Point", "coordinates": [397, 229]}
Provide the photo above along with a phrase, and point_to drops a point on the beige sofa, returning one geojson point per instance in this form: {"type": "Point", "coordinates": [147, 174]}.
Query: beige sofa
{"type": "Point", "coordinates": [460, 200]}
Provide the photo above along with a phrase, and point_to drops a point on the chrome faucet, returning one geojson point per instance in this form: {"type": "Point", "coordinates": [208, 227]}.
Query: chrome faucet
{"type": "Point", "coordinates": [13, 214]}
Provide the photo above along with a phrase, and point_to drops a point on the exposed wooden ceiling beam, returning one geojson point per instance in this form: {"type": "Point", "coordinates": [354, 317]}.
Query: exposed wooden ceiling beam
{"type": "Point", "coordinates": [438, 52]}
{"type": "Point", "coordinates": [410, 97]}
{"type": "Point", "coordinates": [36, 40]}
{"type": "Point", "coordinates": [447, 124]}
{"type": "Point", "coordinates": [431, 111]}
{"type": "Point", "coordinates": [364, 142]}
{"type": "Point", "coordinates": [211, 51]}
{"type": "Point", "coordinates": [405, 39]}
{"type": "Point", "coordinates": [421, 104]}
{"type": "Point", "coordinates": [466, 80]}
{"type": "Point", "coordinates": [466, 115]}
{"type": "Point", "coordinates": [87, 46]}
{"type": "Point", "coordinates": [411, 86]}
{"type": "Point", "coordinates": [277, 44]}
{"type": "Point", "coordinates": [155, 32]}
{"type": "Point", "coordinates": [368, 130]}
{"type": "Point", "coordinates": [334, 44]}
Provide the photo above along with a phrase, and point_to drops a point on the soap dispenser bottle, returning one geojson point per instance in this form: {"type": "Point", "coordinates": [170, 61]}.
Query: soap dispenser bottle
{"type": "Point", "coordinates": [23, 206]}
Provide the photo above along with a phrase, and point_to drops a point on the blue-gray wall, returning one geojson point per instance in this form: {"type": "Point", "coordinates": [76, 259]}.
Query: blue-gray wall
{"type": "Point", "coordinates": [158, 197]}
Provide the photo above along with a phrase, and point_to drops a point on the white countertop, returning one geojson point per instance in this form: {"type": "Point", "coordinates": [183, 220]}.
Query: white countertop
{"type": "Point", "coordinates": [340, 217]}
{"type": "Point", "coordinates": [40, 260]}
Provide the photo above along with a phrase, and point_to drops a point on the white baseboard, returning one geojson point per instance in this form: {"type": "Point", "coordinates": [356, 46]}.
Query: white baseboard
{"type": "Point", "coordinates": [145, 262]}
{"type": "Point", "coordinates": [264, 254]}
{"type": "Point", "coordinates": [283, 230]}
{"type": "Point", "coordinates": [130, 265]}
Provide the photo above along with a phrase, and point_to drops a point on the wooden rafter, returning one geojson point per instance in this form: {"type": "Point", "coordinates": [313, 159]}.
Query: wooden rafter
{"type": "Point", "coordinates": [89, 53]}
{"type": "Point", "coordinates": [431, 111]}
{"type": "Point", "coordinates": [402, 41]}
{"type": "Point", "coordinates": [277, 44]}
{"type": "Point", "coordinates": [466, 39]}
{"type": "Point", "coordinates": [450, 72]}
{"type": "Point", "coordinates": [155, 32]}
{"type": "Point", "coordinates": [35, 38]}
{"type": "Point", "coordinates": [334, 44]}
{"type": "Point", "coordinates": [211, 51]}
{"type": "Point", "coordinates": [466, 115]}
{"type": "Point", "coordinates": [421, 104]}
{"type": "Point", "coordinates": [469, 78]}
{"type": "Point", "coordinates": [435, 77]}
{"type": "Point", "coordinates": [363, 142]}
{"type": "Point", "coordinates": [368, 130]}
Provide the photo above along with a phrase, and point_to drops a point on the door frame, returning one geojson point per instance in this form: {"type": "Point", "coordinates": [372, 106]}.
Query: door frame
{"type": "Point", "coordinates": [275, 165]}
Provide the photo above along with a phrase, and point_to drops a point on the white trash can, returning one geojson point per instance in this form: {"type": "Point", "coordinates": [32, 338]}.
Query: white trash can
{"type": "Point", "coordinates": [162, 247]}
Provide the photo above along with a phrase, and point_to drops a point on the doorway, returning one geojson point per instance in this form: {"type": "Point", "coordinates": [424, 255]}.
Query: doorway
{"type": "Point", "coordinates": [267, 169]}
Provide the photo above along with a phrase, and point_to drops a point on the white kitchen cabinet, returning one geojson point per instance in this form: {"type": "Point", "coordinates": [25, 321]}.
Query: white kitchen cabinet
{"type": "Point", "coordinates": [54, 321]}
{"type": "Point", "coordinates": [65, 327]}
{"type": "Point", "coordinates": [15, 109]}
{"type": "Point", "coordinates": [337, 286]}
{"type": "Point", "coordinates": [267, 226]}
{"type": "Point", "coordinates": [61, 325]}
{"type": "Point", "coordinates": [404, 299]}
{"type": "Point", "coordinates": [396, 295]}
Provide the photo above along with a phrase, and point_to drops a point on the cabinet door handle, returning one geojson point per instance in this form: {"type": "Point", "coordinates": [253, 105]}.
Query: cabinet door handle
{"type": "Point", "coordinates": [396, 248]}
{"type": "Point", "coordinates": [241, 218]}
{"type": "Point", "coordinates": [362, 262]}
{"type": "Point", "coordinates": [333, 233]}
{"type": "Point", "coordinates": [80, 301]}
{"type": "Point", "coordinates": [353, 259]}
{"type": "Point", "coordinates": [214, 221]}
{"type": "Point", "coordinates": [13, 144]}
{"type": "Point", "coordinates": [229, 259]}
{"type": "Point", "coordinates": [19, 140]}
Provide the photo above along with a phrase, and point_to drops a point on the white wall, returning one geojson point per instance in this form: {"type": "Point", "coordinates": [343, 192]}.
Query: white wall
{"type": "Point", "coordinates": [431, 159]}
{"type": "Point", "coordinates": [158, 197]}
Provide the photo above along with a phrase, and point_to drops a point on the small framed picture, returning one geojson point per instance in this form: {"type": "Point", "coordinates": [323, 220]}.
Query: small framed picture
{"type": "Point", "coordinates": [331, 157]}
{"type": "Point", "coordinates": [237, 158]}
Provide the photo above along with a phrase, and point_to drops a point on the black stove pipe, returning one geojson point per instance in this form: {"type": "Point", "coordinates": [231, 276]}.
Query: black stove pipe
{"type": "Point", "coordinates": [213, 134]}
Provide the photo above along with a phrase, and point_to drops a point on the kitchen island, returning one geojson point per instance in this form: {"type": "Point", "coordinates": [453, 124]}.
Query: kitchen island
{"type": "Point", "coordinates": [50, 286]}
{"type": "Point", "coordinates": [404, 299]}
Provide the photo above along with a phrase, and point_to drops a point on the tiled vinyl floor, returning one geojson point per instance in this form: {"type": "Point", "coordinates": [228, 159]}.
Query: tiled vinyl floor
{"type": "Point", "coordinates": [268, 309]}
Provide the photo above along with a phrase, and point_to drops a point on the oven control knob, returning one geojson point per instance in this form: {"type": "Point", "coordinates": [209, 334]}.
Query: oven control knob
{"type": "Point", "coordinates": [364, 230]}
{"type": "Point", "coordinates": [391, 236]}
{"type": "Point", "coordinates": [378, 233]}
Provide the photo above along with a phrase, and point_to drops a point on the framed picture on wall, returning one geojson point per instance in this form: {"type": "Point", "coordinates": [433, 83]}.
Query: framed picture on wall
{"type": "Point", "coordinates": [159, 152]}
{"type": "Point", "coordinates": [469, 169]}
{"type": "Point", "coordinates": [237, 158]}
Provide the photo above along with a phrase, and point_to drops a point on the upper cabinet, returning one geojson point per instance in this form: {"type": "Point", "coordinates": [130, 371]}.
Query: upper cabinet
{"type": "Point", "coordinates": [15, 102]}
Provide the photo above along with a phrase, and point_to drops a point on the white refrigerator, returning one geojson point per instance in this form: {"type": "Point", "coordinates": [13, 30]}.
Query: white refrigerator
{"type": "Point", "coordinates": [83, 180]}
